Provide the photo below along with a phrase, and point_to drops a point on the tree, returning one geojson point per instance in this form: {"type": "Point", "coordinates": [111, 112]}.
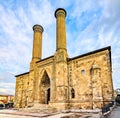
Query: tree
{"type": "Point", "coordinates": [117, 99]}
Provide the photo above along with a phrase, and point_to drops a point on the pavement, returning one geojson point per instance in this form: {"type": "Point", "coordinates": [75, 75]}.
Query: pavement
{"type": "Point", "coordinates": [11, 113]}
{"type": "Point", "coordinates": [115, 113]}
{"type": "Point", "coordinates": [15, 116]}
{"type": "Point", "coordinates": [21, 113]}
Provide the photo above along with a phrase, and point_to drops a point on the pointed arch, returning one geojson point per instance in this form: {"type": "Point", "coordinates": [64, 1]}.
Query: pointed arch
{"type": "Point", "coordinates": [45, 88]}
{"type": "Point", "coordinates": [47, 70]}
{"type": "Point", "coordinates": [95, 69]}
{"type": "Point", "coordinates": [45, 79]}
{"type": "Point", "coordinates": [95, 65]}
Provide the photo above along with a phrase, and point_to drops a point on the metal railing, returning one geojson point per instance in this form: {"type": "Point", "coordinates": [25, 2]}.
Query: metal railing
{"type": "Point", "coordinates": [107, 107]}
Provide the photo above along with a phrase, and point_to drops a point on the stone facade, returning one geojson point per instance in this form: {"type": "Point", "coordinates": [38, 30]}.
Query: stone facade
{"type": "Point", "coordinates": [61, 82]}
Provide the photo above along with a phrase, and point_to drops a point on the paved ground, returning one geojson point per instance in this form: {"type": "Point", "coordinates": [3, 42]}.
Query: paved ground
{"type": "Point", "coordinates": [115, 113]}
{"type": "Point", "coordinates": [18, 114]}
{"type": "Point", "coordinates": [15, 116]}
{"type": "Point", "coordinates": [7, 113]}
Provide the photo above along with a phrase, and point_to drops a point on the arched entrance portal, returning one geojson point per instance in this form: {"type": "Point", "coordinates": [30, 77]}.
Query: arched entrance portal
{"type": "Point", "coordinates": [45, 89]}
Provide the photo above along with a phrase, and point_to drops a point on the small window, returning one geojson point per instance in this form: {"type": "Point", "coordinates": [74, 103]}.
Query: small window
{"type": "Point", "coordinates": [82, 72]}
{"type": "Point", "coordinates": [72, 93]}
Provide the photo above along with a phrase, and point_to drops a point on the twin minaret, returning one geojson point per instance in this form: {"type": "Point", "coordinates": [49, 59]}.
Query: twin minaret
{"type": "Point", "coordinates": [37, 42]}
{"type": "Point", "coordinates": [60, 15]}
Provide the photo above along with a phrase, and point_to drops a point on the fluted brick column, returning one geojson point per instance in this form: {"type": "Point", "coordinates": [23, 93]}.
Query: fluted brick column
{"type": "Point", "coordinates": [60, 15]}
{"type": "Point", "coordinates": [37, 42]}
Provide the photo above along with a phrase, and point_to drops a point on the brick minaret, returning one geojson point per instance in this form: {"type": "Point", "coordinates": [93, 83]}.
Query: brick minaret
{"type": "Point", "coordinates": [60, 15]}
{"type": "Point", "coordinates": [37, 42]}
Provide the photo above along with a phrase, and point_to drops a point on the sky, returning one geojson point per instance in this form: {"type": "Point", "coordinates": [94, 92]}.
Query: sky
{"type": "Point", "coordinates": [90, 25]}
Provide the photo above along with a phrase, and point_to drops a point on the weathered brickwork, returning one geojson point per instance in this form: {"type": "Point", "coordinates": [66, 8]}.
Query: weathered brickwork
{"type": "Point", "coordinates": [91, 80]}
{"type": "Point", "coordinates": [62, 82]}
{"type": "Point", "coordinates": [21, 90]}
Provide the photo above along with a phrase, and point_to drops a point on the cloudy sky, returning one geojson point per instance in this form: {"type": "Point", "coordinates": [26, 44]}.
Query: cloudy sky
{"type": "Point", "coordinates": [90, 25]}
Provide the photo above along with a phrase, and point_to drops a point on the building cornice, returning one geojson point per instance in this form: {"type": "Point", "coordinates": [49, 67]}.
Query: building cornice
{"type": "Point", "coordinates": [22, 74]}
{"type": "Point", "coordinates": [93, 52]}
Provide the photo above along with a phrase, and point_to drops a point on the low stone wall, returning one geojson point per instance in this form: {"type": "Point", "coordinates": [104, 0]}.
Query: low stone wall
{"type": "Point", "coordinates": [97, 113]}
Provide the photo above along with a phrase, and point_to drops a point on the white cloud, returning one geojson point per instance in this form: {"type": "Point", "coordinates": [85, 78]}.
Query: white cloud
{"type": "Point", "coordinates": [17, 27]}
{"type": "Point", "coordinates": [17, 37]}
{"type": "Point", "coordinates": [7, 85]}
{"type": "Point", "coordinates": [81, 6]}
{"type": "Point", "coordinates": [110, 32]}
{"type": "Point", "coordinates": [41, 13]}
{"type": "Point", "coordinates": [16, 34]}
{"type": "Point", "coordinates": [7, 88]}
{"type": "Point", "coordinates": [1, 78]}
{"type": "Point", "coordinates": [102, 31]}
{"type": "Point", "coordinates": [16, 41]}
{"type": "Point", "coordinates": [4, 91]}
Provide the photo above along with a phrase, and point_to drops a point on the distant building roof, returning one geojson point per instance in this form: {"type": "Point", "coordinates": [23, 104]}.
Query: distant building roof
{"type": "Point", "coordinates": [6, 95]}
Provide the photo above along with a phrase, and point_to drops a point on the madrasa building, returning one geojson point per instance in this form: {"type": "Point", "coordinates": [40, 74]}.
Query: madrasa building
{"type": "Point", "coordinates": [61, 82]}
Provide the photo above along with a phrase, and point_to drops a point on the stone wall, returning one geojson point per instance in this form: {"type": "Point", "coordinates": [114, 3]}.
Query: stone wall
{"type": "Point", "coordinates": [83, 82]}
{"type": "Point", "coordinates": [90, 77]}
{"type": "Point", "coordinates": [21, 91]}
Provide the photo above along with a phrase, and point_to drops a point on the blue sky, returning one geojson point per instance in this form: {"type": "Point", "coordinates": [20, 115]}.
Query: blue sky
{"type": "Point", "coordinates": [90, 25]}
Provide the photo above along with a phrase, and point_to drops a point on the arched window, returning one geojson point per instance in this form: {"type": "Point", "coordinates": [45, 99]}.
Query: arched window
{"type": "Point", "coordinates": [72, 93]}
{"type": "Point", "coordinates": [82, 72]}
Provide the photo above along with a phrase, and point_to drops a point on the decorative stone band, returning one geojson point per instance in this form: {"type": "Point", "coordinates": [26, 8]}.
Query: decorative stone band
{"type": "Point", "coordinates": [38, 28]}
{"type": "Point", "coordinates": [60, 12]}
